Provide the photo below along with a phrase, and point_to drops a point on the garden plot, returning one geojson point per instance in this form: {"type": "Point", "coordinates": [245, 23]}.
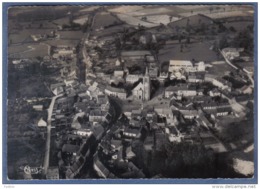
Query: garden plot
{"type": "Point", "coordinates": [135, 21]}
{"type": "Point", "coordinates": [81, 20]}
{"type": "Point", "coordinates": [158, 19]}
{"type": "Point", "coordinates": [125, 9]}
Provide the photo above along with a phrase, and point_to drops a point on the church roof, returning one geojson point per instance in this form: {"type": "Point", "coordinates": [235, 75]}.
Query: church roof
{"type": "Point", "coordinates": [138, 87]}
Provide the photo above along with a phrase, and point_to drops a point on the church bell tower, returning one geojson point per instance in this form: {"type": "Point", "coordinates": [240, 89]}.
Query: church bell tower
{"type": "Point", "coordinates": [147, 86]}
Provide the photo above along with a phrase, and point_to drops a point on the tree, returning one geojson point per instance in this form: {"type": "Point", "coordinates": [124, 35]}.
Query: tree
{"type": "Point", "coordinates": [232, 29]}
{"type": "Point", "coordinates": [223, 43]}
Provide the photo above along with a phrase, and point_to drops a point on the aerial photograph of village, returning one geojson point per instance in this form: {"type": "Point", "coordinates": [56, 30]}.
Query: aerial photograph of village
{"type": "Point", "coordinates": [130, 92]}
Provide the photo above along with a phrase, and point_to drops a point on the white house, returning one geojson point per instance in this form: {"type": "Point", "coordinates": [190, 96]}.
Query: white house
{"type": "Point", "coordinates": [116, 92]}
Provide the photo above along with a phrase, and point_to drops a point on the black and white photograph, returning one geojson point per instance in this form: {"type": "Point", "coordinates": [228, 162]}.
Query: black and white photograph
{"type": "Point", "coordinates": [130, 91]}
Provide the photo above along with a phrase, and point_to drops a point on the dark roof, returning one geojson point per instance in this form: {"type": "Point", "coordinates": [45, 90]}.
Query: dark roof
{"type": "Point", "coordinates": [70, 148]}
{"type": "Point", "coordinates": [134, 131]}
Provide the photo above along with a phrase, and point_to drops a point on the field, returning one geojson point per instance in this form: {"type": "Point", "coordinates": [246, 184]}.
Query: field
{"type": "Point", "coordinates": [239, 26]}
{"type": "Point", "coordinates": [61, 21]}
{"type": "Point", "coordinates": [157, 19]}
{"type": "Point", "coordinates": [24, 35]}
{"type": "Point", "coordinates": [32, 86]}
{"type": "Point", "coordinates": [28, 51]}
{"type": "Point", "coordinates": [220, 15]}
{"type": "Point", "coordinates": [89, 9]}
{"type": "Point", "coordinates": [125, 9]}
{"type": "Point", "coordinates": [151, 11]}
{"type": "Point", "coordinates": [81, 20]}
{"type": "Point", "coordinates": [111, 30]}
{"type": "Point", "coordinates": [71, 35]}
{"type": "Point", "coordinates": [195, 21]}
{"type": "Point", "coordinates": [65, 42]}
{"type": "Point", "coordinates": [133, 21]}
{"type": "Point", "coordinates": [197, 51]}
{"type": "Point", "coordinates": [220, 69]}
{"type": "Point", "coordinates": [104, 19]}
{"type": "Point", "coordinates": [216, 11]}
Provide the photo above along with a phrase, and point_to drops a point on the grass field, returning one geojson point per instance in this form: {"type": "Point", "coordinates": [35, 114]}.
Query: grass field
{"type": "Point", "coordinates": [103, 19]}
{"type": "Point", "coordinates": [89, 8]}
{"type": "Point", "coordinates": [111, 30]}
{"type": "Point", "coordinates": [66, 42]}
{"type": "Point", "coordinates": [81, 20]}
{"type": "Point", "coordinates": [239, 26]}
{"type": "Point", "coordinates": [25, 35]}
{"type": "Point", "coordinates": [61, 21]}
{"type": "Point", "coordinates": [197, 51]}
{"type": "Point", "coordinates": [73, 35]}
{"type": "Point", "coordinates": [134, 21]}
{"type": "Point", "coordinates": [28, 51]}
{"type": "Point", "coordinates": [220, 69]}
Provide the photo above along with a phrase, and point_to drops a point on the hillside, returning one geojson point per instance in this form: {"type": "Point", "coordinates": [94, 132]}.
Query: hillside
{"type": "Point", "coordinates": [193, 21]}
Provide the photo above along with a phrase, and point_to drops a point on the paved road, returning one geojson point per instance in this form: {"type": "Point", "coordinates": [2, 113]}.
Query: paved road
{"type": "Point", "coordinates": [48, 140]}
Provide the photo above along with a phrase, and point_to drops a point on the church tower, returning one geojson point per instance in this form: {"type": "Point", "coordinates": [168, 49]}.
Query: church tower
{"type": "Point", "coordinates": [147, 86]}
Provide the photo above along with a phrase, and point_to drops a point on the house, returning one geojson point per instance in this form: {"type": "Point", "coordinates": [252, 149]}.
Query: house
{"type": "Point", "coordinates": [129, 153]}
{"type": "Point", "coordinates": [131, 133]}
{"type": "Point", "coordinates": [134, 55]}
{"type": "Point", "coordinates": [116, 92]}
{"type": "Point", "coordinates": [52, 173]}
{"type": "Point", "coordinates": [119, 73]}
{"type": "Point", "coordinates": [173, 134]}
{"type": "Point", "coordinates": [100, 168]}
{"type": "Point", "coordinates": [222, 84]}
{"type": "Point", "coordinates": [75, 122]}
{"type": "Point", "coordinates": [97, 116]}
{"type": "Point", "coordinates": [38, 107]}
{"type": "Point", "coordinates": [246, 90]}
{"type": "Point", "coordinates": [209, 77]}
{"type": "Point", "coordinates": [188, 66]}
{"type": "Point", "coordinates": [83, 132]}
{"type": "Point", "coordinates": [163, 76]}
{"type": "Point", "coordinates": [104, 102]}
{"type": "Point", "coordinates": [116, 145]}
{"type": "Point", "coordinates": [202, 120]}
{"type": "Point", "coordinates": [70, 149]}
{"type": "Point", "coordinates": [214, 92]}
{"type": "Point", "coordinates": [180, 90]}
{"type": "Point", "coordinates": [196, 77]}
{"type": "Point", "coordinates": [42, 123]}
{"type": "Point", "coordinates": [223, 111]}
{"type": "Point", "coordinates": [98, 131]}
{"type": "Point", "coordinates": [57, 88]}
{"type": "Point", "coordinates": [201, 99]}
{"type": "Point", "coordinates": [190, 114]}
{"type": "Point", "coordinates": [176, 65]}
{"type": "Point", "coordinates": [232, 53]}
{"type": "Point", "coordinates": [75, 168]}
{"type": "Point", "coordinates": [211, 105]}
{"type": "Point", "coordinates": [153, 70]}
{"type": "Point", "coordinates": [130, 78]}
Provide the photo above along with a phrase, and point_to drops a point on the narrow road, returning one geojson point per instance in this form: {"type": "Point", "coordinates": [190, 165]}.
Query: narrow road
{"type": "Point", "coordinates": [48, 140]}
{"type": "Point", "coordinates": [232, 65]}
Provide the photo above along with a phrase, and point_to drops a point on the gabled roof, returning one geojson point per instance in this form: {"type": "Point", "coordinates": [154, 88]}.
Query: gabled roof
{"type": "Point", "coordinates": [138, 87]}
{"type": "Point", "coordinates": [70, 148]}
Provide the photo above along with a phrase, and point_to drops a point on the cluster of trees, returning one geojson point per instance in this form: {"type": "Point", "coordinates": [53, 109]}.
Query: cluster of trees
{"type": "Point", "coordinates": [180, 160]}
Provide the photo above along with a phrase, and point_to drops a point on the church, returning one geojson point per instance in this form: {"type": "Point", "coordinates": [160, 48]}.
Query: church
{"type": "Point", "coordinates": [143, 90]}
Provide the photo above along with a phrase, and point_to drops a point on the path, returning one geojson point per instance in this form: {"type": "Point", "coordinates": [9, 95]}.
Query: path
{"type": "Point", "coordinates": [48, 140]}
